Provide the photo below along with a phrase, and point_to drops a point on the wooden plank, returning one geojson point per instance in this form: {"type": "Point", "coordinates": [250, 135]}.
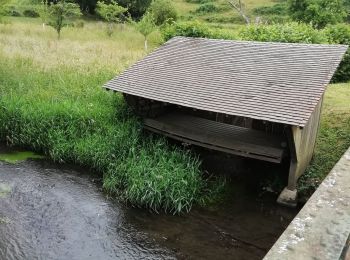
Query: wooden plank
{"type": "Point", "coordinates": [218, 136]}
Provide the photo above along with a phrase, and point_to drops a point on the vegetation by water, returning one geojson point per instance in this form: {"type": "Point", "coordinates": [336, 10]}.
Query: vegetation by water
{"type": "Point", "coordinates": [52, 101]}
{"type": "Point", "coordinates": [15, 157]}
{"type": "Point", "coordinates": [51, 98]}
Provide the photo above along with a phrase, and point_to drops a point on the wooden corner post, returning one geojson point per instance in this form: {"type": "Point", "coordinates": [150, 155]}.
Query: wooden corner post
{"type": "Point", "coordinates": [301, 143]}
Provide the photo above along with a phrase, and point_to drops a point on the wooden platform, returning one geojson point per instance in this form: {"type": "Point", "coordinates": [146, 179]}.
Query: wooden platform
{"type": "Point", "coordinates": [218, 136]}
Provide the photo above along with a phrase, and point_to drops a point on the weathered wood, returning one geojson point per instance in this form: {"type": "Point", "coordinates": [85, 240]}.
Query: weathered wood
{"type": "Point", "coordinates": [146, 107]}
{"type": "Point", "coordinates": [301, 142]}
{"type": "Point", "coordinates": [219, 136]}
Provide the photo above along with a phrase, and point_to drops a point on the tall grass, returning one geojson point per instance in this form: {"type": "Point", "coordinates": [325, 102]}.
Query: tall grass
{"type": "Point", "coordinates": [52, 101]}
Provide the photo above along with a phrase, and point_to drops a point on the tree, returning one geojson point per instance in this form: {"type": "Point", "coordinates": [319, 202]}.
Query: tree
{"type": "Point", "coordinates": [87, 6]}
{"type": "Point", "coordinates": [347, 6]}
{"type": "Point", "coordinates": [60, 15]}
{"type": "Point", "coordinates": [318, 12]}
{"type": "Point", "coordinates": [2, 6]}
{"type": "Point", "coordinates": [163, 11]}
{"type": "Point", "coordinates": [146, 26]}
{"type": "Point", "coordinates": [239, 6]}
{"type": "Point", "coordinates": [43, 12]}
{"type": "Point", "coordinates": [112, 13]}
{"type": "Point", "coordinates": [136, 8]}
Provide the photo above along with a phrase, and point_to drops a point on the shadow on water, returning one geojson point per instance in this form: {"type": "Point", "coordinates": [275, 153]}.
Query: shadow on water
{"type": "Point", "coordinates": [50, 211]}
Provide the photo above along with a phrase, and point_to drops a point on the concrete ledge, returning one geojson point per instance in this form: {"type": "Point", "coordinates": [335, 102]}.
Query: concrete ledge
{"type": "Point", "coordinates": [346, 251]}
{"type": "Point", "coordinates": [322, 227]}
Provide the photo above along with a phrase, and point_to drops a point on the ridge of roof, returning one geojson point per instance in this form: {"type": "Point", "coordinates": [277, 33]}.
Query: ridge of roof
{"type": "Point", "coordinates": [259, 42]}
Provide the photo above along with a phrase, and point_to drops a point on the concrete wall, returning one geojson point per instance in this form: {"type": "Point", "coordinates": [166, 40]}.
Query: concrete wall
{"type": "Point", "coordinates": [322, 227]}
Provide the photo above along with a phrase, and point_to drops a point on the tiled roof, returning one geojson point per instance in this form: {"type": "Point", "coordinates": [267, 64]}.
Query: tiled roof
{"type": "Point", "coordinates": [277, 82]}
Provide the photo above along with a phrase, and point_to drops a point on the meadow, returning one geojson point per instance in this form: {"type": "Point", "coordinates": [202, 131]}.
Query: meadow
{"type": "Point", "coordinates": [219, 14]}
{"type": "Point", "coordinates": [52, 101]}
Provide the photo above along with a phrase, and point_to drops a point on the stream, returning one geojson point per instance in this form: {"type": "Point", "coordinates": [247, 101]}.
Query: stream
{"type": "Point", "coordinates": [50, 211]}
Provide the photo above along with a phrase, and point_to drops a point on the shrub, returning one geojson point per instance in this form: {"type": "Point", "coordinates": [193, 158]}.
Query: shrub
{"type": "Point", "coordinates": [145, 26]}
{"type": "Point", "coordinates": [190, 29]}
{"type": "Point", "coordinates": [163, 11]}
{"type": "Point", "coordinates": [30, 12]}
{"type": "Point", "coordinates": [112, 13]}
{"type": "Point", "coordinates": [318, 12]}
{"type": "Point", "coordinates": [136, 8]}
{"type": "Point", "coordinates": [290, 32]}
{"type": "Point", "coordinates": [61, 14]}
{"type": "Point", "coordinates": [207, 8]}
{"type": "Point", "coordinates": [194, 29]}
{"type": "Point", "coordinates": [11, 10]}
{"type": "Point", "coordinates": [340, 34]}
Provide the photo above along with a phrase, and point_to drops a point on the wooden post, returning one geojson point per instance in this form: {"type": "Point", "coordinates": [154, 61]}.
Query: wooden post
{"type": "Point", "coordinates": [301, 142]}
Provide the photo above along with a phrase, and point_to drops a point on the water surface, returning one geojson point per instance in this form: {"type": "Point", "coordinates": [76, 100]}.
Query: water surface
{"type": "Point", "coordinates": [50, 211]}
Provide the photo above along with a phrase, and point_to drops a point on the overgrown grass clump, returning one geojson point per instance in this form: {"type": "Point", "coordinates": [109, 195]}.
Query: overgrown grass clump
{"type": "Point", "coordinates": [59, 108]}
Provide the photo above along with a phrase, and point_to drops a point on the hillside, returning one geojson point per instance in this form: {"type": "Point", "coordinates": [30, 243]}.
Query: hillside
{"type": "Point", "coordinates": [220, 14]}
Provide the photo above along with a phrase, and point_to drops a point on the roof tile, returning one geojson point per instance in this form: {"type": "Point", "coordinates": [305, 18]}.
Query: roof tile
{"type": "Point", "coordinates": [277, 82]}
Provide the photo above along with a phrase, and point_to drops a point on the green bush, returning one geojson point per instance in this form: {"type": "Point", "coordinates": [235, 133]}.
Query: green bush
{"type": "Point", "coordinates": [290, 32]}
{"type": "Point", "coordinates": [11, 10]}
{"type": "Point", "coordinates": [318, 12]}
{"type": "Point", "coordinates": [163, 11]}
{"type": "Point", "coordinates": [112, 13]}
{"type": "Point", "coordinates": [207, 8]}
{"type": "Point", "coordinates": [194, 29]}
{"type": "Point", "coordinates": [189, 29]}
{"type": "Point", "coordinates": [62, 14]}
{"type": "Point", "coordinates": [30, 12]}
{"type": "Point", "coordinates": [340, 34]}
{"type": "Point", "coordinates": [136, 8]}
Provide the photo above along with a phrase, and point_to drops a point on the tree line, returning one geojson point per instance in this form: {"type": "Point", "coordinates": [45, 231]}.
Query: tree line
{"type": "Point", "coordinates": [318, 13]}
{"type": "Point", "coordinates": [136, 8]}
{"type": "Point", "coordinates": [61, 13]}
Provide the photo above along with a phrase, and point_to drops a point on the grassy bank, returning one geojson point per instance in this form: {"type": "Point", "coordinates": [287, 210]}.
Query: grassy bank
{"type": "Point", "coordinates": [52, 101]}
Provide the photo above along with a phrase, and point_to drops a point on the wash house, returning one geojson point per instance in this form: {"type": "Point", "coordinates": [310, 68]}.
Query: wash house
{"type": "Point", "coordinates": [250, 99]}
